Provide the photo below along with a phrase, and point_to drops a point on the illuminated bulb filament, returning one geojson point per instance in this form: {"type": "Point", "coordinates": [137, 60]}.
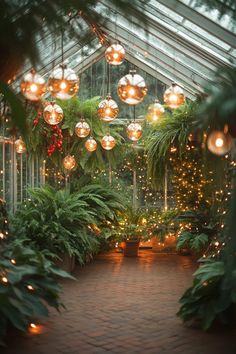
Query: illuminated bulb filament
{"type": "Point", "coordinates": [131, 91]}
{"type": "Point", "coordinates": [4, 279]}
{"type": "Point", "coordinates": [33, 88]}
{"type": "Point", "coordinates": [63, 85]}
{"type": "Point", "coordinates": [219, 142]}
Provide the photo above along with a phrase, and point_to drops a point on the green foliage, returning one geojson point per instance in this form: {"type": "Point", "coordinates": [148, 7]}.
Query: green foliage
{"type": "Point", "coordinates": [55, 220]}
{"type": "Point", "coordinates": [23, 266]}
{"type": "Point", "coordinates": [172, 130]}
{"type": "Point", "coordinates": [165, 223]}
{"type": "Point", "coordinates": [65, 222]}
{"type": "Point", "coordinates": [204, 300]}
{"type": "Point", "coordinates": [40, 136]}
{"type": "Point", "coordinates": [220, 106]}
{"type": "Point", "coordinates": [195, 242]}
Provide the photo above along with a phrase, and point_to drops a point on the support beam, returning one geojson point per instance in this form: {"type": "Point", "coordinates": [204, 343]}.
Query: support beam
{"type": "Point", "coordinates": [200, 20]}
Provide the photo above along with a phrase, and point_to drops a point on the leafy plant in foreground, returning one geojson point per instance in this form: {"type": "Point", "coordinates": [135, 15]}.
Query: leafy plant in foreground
{"type": "Point", "coordinates": [28, 284]}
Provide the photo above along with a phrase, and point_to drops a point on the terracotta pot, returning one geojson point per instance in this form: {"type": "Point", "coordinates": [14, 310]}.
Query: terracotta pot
{"type": "Point", "coordinates": [131, 248]}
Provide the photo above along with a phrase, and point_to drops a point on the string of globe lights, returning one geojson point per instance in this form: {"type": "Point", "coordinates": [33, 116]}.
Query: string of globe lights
{"type": "Point", "coordinates": [63, 84]}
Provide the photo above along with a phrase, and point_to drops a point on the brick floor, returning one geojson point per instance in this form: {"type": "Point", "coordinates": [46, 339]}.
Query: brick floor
{"type": "Point", "coordinates": [124, 305]}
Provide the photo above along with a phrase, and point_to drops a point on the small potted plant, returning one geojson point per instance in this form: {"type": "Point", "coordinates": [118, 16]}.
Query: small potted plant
{"type": "Point", "coordinates": [132, 228]}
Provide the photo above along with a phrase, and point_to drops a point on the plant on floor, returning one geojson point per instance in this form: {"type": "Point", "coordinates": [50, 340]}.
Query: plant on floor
{"type": "Point", "coordinates": [27, 285]}
{"type": "Point", "coordinates": [213, 293]}
{"type": "Point", "coordinates": [65, 222]}
{"type": "Point", "coordinates": [57, 221]}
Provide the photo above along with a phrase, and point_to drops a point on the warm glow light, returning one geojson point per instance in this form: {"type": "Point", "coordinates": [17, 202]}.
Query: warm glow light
{"type": "Point", "coordinates": [63, 83]}
{"type": "Point", "coordinates": [91, 144]}
{"type": "Point", "coordinates": [219, 142]}
{"type": "Point", "coordinates": [174, 96]}
{"type": "Point", "coordinates": [33, 86]}
{"type": "Point", "coordinates": [69, 162]}
{"type": "Point", "coordinates": [131, 91]}
{"type": "Point", "coordinates": [4, 279]}
{"type": "Point", "coordinates": [53, 113]}
{"type": "Point", "coordinates": [132, 88]}
{"type": "Point", "coordinates": [134, 131]}
{"type": "Point", "coordinates": [155, 111]}
{"type": "Point", "coordinates": [35, 329]}
{"type": "Point", "coordinates": [82, 129]}
{"type": "Point", "coordinates": [115, 54]}
{"type": "Point", "coordinates": [20, 146]}
{"type": "Point", "coordinates": [2, 235]}
{"type": "Point", "coordinates": [13, 261]}
{"type": "Point", "coordinates": [107, 109]}
{"type": "Point", "coordinates": [30, 287]}
{"type": "Point", "coordinates": [108, 142]}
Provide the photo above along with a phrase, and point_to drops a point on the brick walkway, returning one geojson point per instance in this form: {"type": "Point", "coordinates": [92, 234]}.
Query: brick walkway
{"type": "Point", "coordinates": [124, 305]}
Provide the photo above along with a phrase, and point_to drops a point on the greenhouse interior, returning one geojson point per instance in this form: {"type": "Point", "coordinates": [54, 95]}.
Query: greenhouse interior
{"type": "Point", "coordinates": [117, 176]}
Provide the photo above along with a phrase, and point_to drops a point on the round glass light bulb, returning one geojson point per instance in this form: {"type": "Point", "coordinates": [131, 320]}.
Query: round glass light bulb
{"type": "Point", "coordinates": [69, 162]}
{"type": "Point", "coordinates": [174, 96]}
{"type": "Point", "coordinates": [63, 83]}
{"type": "Point", "coordinates": [108, 142]}
{"type": "Point", "coordinates": [82, 129]}
{"type": "Point", "coordinates": [20, 146]}
{"type": "Point", "coordinates": [219, 143]}
{"type": "Point", "coordinates": [132, 88]}
{"type": "Point", "coordinates": [53, 114]}
{"type": "Point", "coordinates": [107, 109]}
{"type": "Point", "coordinates": [115, 54]}
{"type": "Point", "coordinates": [91, 144]}
{"type": "Point", "coordinates": [134, 131]}
{"type": "Point", "coordinates": [33, 86]}
{"type": "Point", "coordinates": [155, 111]}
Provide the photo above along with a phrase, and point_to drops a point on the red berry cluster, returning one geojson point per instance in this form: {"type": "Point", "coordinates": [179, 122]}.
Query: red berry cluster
{"type": "Point", "coordinates": [56, 140]}
{"type": "Point", "coordinates": [36, 120]}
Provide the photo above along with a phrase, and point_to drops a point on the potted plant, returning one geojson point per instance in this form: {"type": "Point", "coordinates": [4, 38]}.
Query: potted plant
{"type": "Point", "coordinates": [132, 227]}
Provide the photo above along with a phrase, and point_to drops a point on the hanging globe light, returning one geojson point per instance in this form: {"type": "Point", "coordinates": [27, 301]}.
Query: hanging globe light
{"type": "Point", "coordinates": [134, 131]}
{"type": "Point", "coordinates": [115, 54]}
{"type": "Point", "coordinates": [53, 114]}
{"type": "Point", "coordinates": [108, 142]}
{"type": "Point", "coordinates": [174, 96]}
{"type": "Point", "coordinates": [219, 143]}
{"type": "Point", "coordinates": [63, 83]}
{"type": "Point", "coordinates": [20, 146]}
{"type": "Point", "coordinates": [69, 162]}
{"type": "Point", "coordinates": [132, 88]}
{"type": "Point", "coordinates": [82, 129]}
{"type": "Point", "coordinates": [91, 144]}
{"type": "Point", "coordinates": [107, 109]}
{"type": "Point", "coordinates": [33, 86]}
{"type": "Point", "coordinates": [155, 111]}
